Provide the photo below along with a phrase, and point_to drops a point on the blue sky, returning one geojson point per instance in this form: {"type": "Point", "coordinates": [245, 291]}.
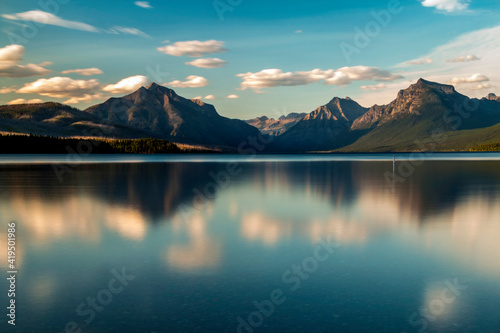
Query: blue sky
{"type": "Point", "coordinates": [271, 57]}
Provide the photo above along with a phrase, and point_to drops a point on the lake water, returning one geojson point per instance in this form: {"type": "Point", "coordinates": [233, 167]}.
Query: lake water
{"type": "Point", "coordinates": [275, 244]}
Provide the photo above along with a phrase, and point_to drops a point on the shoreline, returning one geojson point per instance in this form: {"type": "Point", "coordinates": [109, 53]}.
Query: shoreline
{"type": "Point", "coordinates": [41, 159]}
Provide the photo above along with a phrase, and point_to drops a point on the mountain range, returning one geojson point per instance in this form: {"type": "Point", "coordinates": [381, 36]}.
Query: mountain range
{"type": "Point", "coordinates": [426, 115]}
{"type": "Point", "coordinates": [275, 127]}
{"type": "Point", "coordinates": [325, 128]}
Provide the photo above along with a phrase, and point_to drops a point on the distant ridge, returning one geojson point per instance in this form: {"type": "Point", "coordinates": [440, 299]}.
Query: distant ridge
{"type": "Point", "coordinates": [55, 119]}
{"type": "Point", "coordinates": [275, 127]}
{"type": "Point", "coordinates": [414, 116]}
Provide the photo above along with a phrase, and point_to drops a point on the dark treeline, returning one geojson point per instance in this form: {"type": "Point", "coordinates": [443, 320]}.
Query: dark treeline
{"type": "Point", "coordinates": [144, 146]}
{"type": "Point", "coordinates": [34, 144]}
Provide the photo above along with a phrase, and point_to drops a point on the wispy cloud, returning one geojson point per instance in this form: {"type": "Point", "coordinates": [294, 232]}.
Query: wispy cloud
{"type": "Point", "coordinates": [192, 81]}
{"type": "Point", "coordinates": [6, 90]}
{"type": "Point", "coordinates": [343, 76]}
{"type": "Point", "coordinates": [10, 56]}
{"type": "Point", "coordinates": [127, 31]}
{"type": "Point", "coordinates": [193, 48]}
{"type": "Point", "coordinates": [374, 87]}
{"type": "Point", "coordinates": [482, 86]}
{"type": "Point", "coordinates": [207, 63]}
{"type": "Point", "coordinates": [424, 61]}
{"type": "Point", "coordinates": [143, 4]}
{"type": "Point", "coordinates": [83, 71]}
{"type": "Point", "coordinates": [466, 58]}
{"type": "Point", "coordinates": [232, 96]}
{"type": "Point", "coordinates": [448, 6]}
{"type": "Point", "coordinates": [42, 17]}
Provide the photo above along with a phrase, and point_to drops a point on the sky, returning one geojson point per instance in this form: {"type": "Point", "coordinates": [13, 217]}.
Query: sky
{"type": "Point", "coordinates": [247, 58]}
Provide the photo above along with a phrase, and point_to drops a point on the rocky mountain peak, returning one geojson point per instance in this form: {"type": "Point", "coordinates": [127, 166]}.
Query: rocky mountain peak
{"type": "Point", "coordinates": [160, 111]}
{"type": "Point", "coordinates": [160, 90]}
{"type": "Point", "coordinates": [417, 98]}
{"type": "Point", "coordinates": [438, 87]}
{"type": "Point", "coordinates": [411, 98]}
{"type": "Point", "coordinates": [344, 109]}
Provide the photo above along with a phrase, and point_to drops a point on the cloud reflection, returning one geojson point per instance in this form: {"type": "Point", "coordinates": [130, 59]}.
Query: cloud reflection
{"type": "Point", "coordinates": [454, 217]}
{"type": "Point", "coordinates": [202, 251]}
{"type": "Point", "coordinates": [77, 217]}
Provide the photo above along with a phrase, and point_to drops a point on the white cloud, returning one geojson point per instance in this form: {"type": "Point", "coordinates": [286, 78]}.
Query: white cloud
{"type": "Point", "coordinates": [363, 73]}
{"type": "Point", "coordinates": [424, 61]}
{"type": "Point", "coordinates": [475, 78]}
{"type": "Point", "coordinates": [207, 62]}
{"type": "Point", "coordinates": [126, 85]}
{"type": "Point", "coordinates": [85, 98]}
{"type": "Point", "coordinates": [268, 78]}
{"type": "Point", "coordinates": [192, 81]}
{"type": "Point", "coordinates": [374, 87]}
{"type": "Point", "coordinates": [232, 96]}
{"type": "Point", "coordinates": [83, 71]}
{"type": "Point", "coordinates": [143, 4]}
{"type": "Point", "coordinates": [77, 91]}
{"type": "Point", "coordinates": [276, 77]}
{"type": "Point", "coordinates": [193, 48]}
{"type": "Point", "coordinates": [127, 31]}
{"type": "Point", "coordinates": [63, 87]}
{"type": "Point", "coordinates": [466, 58]}
{"type": "Point", "coordinates": [198, 97]}
{"type": "Point", "coordinates": [10, 55]}
{"type": "Point", "coordinates": [449, 6]}
{"type": "Point", "coordinates": [42, 17]}
{"type": "Point", "coordinates": [25, 101]}
{"type": "Point", "coordinates": [298, 31]}
{"type": "Point", "coordinates": [22, 70]}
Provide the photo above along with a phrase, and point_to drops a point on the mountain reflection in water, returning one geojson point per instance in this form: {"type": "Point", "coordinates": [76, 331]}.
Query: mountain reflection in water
{"type": "Point", "coordinates": [202, 251]}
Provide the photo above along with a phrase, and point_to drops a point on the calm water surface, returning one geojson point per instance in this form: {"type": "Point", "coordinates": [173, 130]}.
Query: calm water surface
{"type": "Point", "coordinates": [278, 244]}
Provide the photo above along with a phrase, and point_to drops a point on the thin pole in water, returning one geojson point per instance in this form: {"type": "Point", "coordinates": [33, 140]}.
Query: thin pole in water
{"type": "Point", "coordinates": [393, 163]}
